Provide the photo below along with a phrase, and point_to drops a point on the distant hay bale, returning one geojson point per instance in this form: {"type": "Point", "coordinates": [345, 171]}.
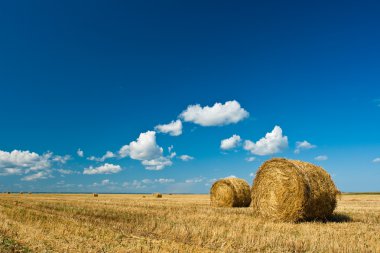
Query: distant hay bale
{"type": "Point", "coordinates": [230, 192]}
{"type": "Point", "coordinates": [29, 193]}
{"type": "Point", "coordinates": [291, 191]}
{"type": "Point", "coordinates": [157, 195]}
{"type": "Point", "coordinates": [8, 192]}
{"type": "Point", "coordinates": [95, 194]}
{"type": "Point", "coordinates": [21, 192]}
{"type": "Point", "coordinates": [143, 196]}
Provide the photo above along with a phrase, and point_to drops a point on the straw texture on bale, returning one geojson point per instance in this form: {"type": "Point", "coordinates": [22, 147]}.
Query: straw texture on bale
{"type": "Point", "coordinates": [230, 192]}
{"type": "Point", "coordinates": [291, 191]}
{"type": "Point", "coordinates": [157, 195]}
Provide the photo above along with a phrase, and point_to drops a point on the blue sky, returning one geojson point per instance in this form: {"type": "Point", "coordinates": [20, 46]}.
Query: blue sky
{"type": "Point", "coordinates": [98, 76]}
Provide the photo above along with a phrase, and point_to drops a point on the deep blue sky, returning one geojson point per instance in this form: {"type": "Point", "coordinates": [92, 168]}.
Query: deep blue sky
{"type": "Point", "coordinates": [95, 74]}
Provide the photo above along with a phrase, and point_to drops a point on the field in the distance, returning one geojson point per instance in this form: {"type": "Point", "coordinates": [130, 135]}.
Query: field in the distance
{"type": "Point", "coordinates": [175, 223]}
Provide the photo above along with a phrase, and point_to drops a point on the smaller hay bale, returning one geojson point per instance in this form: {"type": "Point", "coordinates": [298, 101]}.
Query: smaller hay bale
{"type": "Point", "coordinates": [230, 192]}
{"type": "Point", "coordinates": [144, 196]}
{"type": "Point", "coordinates": [157, 195]}
{"type": "Point", "coordinates": [95, 194]}
{"type": "Point", "coordinates": [29, 193]}
{"type": "Point", "coordinates": [21, 192]}
{"type": "Point", "coordinates": [8, 192]}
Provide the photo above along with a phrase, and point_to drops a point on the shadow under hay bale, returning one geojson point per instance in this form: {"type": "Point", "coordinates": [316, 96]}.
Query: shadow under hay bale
{"type": "Point", "coordinates": [157, 195]}
{"type": "Point", "coordinates": [230, 192]}
{"type": "Point", "coordinates": [291, 191]}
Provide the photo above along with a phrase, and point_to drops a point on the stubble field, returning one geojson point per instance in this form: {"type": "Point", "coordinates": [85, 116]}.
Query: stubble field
{"type": "Point", "coordinates": [175, 223]}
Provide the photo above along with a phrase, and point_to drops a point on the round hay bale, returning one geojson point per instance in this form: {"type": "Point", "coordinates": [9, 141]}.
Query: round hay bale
{"type": "Point", "coordinates": [291, 191]}
{"type": "Point", "coordinates": [95, 195]}
{"type": "Point", "coordinates": [230, 192]}
{"type": "Point", "coordinates": [157, 195]}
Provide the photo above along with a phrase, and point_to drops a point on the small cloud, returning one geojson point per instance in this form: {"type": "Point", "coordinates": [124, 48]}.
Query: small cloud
{"type": "Point", "coordinates": [106, 156]}
{"type": "Point", "coordinates": [273, 142]}
{"type": "Point", "coordinates": [230, 143]}
{"type": "Point", "coordinates": [174, 128]}
{"type": "Point", "coordinates": [37, 176]}
{"type": "Point", "coordinates": [195, 180]}
{"type": "Point", "coordinates": [67, 172]}
{"type": "Point", "coordinates": [157, 164]}
{"type": "Point", "coordinates": [321, 158]}
{"type": "Point", "coordinates": [376, 160]}
{"type": "Point", "coordinates": [80, 152]}
{"type": "Point", "coordinates": [164, 180]}
{"type": "Point", "coordinates": [217, 115]}
{"type": "Point", "coordinates": [231, 176]}
{"type": "Point", "coordinates": [104, 182]}
{"type": "Point", "coordinates": [61, 159]}
{"type": "Point", "coordinates": [250, 159]}
{"type": "Point", "coordinates": [252, 174]}
{"type": "Point", "coordinates": [104, 169]}
{"type": "Point", "coordinates": [186, 158]}
{"type": "Point", "coordinates": [302, 145]}
{"type": "Point", "coordinates": [170, 148]}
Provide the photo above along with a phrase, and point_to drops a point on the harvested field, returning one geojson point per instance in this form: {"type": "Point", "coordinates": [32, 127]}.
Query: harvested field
{"type": "Point", "coordinates": [176, 223]}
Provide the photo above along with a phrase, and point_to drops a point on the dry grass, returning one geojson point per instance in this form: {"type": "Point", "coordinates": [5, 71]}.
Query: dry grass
{"type": "Point", "coordinates": [178, 223]}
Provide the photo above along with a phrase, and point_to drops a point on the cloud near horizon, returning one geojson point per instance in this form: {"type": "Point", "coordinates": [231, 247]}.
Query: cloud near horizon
{"type": "Point", "coordinates": [107, 168]}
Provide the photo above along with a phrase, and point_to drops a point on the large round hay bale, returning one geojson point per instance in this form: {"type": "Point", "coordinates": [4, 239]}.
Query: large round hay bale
{"type": "Point", "coordinates": [157, 195]}
{"type": "Point", "coordinates": [230, 192]}
{"type": "Point", "coordinates": [290, 191]}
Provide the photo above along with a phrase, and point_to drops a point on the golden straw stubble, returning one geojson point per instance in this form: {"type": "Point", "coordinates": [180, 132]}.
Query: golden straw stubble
{"type": "Point", "coordinates": [230, 192]}
{"type": "Point", "coordinates": [291, 191]}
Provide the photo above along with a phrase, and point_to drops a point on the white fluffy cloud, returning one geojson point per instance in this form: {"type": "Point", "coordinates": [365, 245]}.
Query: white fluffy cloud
{"type": "Point", "coordinates": [26, 160]}
{"type": "Point", "coordinates": [230, 143]}
{"type": "Point", "coordinates": [186, 158]}
{"type": "Point", "coordinates": [273, 142]}
{"type": "Point", "coordinates": [217, 115]}
{"type": "Point", "coordinates": [106, 156]}
{"type": "Point", "coordinates": [107, 168]}
{"type": "Point", "coordinates": [80, 152]}
{"type": "Point", "coordinates": [174, 128]}
{"type": "Point", "coordinates": [157, 164]}
{"type": "Point", "coordinates": [376, 160]}
{"type": "Point", "coordinates": [301, 145]}
{"type": "Point", "coordinates": [18, 162]}
{"type": "Point", "coordinates": [321, 158]}
{"type": "Point", "coordinates": [144, 148]}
